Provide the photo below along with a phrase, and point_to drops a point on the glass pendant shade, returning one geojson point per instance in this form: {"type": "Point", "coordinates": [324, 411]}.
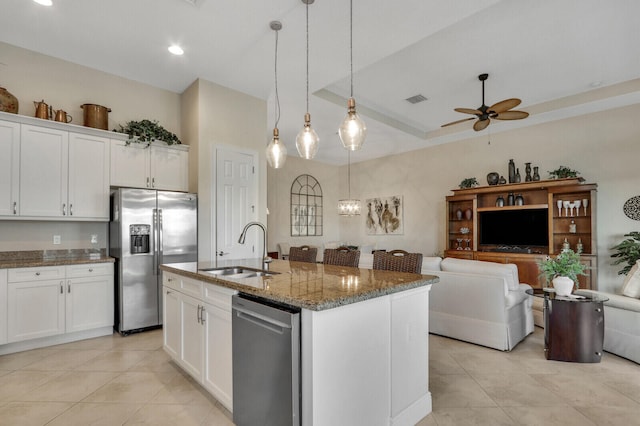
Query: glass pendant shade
{"type": "Point", "coordinates": [276, 151]}
{"type": "Point", "coordinates": [307, 140]}
{"type": "Point", "coordinates": [352, 131]}
{"type": "Point", "coordinates": [349, 207]}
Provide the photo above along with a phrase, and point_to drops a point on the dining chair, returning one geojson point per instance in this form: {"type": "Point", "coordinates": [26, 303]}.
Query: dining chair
{"type": "Point", "coordinates": [341, 256]}
{"type": "Point", "coordinates": [303, 254]}
{"type": "Point", "coordinates": [397, 260]}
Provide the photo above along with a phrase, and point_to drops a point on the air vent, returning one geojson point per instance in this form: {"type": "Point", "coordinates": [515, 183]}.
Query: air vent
{"type": "Point", "coordinates": [416, 99]}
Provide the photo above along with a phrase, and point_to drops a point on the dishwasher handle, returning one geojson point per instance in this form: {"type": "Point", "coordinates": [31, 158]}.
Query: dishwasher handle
{"type": "Point", "coordinates": [261, 320]}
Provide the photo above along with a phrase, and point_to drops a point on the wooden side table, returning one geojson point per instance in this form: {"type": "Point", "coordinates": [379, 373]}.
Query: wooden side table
{"type": "Point", "coordinates": [574, 326]}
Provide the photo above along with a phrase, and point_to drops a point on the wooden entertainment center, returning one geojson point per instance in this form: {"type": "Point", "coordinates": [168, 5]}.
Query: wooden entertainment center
{"type": "Point", "coordinates": [567, 224]}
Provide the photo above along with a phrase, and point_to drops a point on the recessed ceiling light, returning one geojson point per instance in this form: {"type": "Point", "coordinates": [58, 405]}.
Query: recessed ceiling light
{"type": "Point", "coordinates": [44, 2]}
{"type": "Point", "coordinates": [176, 50]}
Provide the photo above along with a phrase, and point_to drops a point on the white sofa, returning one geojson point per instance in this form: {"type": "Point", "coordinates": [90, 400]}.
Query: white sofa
{"type": "Point", "coordinates": [478, 302]}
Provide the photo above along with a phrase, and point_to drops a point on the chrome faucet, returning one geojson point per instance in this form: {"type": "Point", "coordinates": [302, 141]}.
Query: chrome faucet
{"type": "Point", "coordinates": [266, 259]}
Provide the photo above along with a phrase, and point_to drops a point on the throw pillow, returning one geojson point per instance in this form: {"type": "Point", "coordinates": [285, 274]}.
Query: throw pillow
{"type": "Point", "coordinates": [631, 285]}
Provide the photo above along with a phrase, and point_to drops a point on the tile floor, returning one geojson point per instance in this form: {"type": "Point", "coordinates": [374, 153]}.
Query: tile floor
{"type": "Point", "coordinates": [124, 381]}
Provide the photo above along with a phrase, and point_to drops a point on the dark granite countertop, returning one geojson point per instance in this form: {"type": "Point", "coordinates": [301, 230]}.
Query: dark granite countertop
{"type": "Point", "coordinates": [34, 258]}
{"type": "Point", "coordinates": [311, 286]}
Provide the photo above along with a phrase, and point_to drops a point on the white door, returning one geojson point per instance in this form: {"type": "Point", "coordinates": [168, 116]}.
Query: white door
{"type": "Point", "coordinates": [236, 205]}
{"type": "Point", "coordinates": [36, 309]}
{"type": "Point", "coordinates": [9, 168]}
{"type": "Point", "coordinates": [169, 168]}
{"type": "Point", "coordinates": [218, 377]}
{"type": "Point", "coordinates": [171, 322]}
{"type": "Point", "coordinates": [88, 176]}
{"type": "Point", "coordinates": [130, 164]}
{"type": "Point", "coordinates": [192, 333]}
{"type": "Point", "coordinates": [89, 303]}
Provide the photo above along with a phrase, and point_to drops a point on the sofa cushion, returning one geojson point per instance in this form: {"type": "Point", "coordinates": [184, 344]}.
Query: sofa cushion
{"type": "Point", "coordinates": [631, 284]}
{"type": "Point", "coordinates": [431, 263]}
{"type": "Point", "coordinates": [508, 271]}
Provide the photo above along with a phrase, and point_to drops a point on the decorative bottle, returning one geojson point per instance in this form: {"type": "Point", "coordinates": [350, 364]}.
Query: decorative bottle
{"type": "Point", "coordinates": [500, 201]}
{"type": "Point", "coordinates": [527, 170]}
{"type": "Point", "coordinates": [536, 175]}
{"type": "Point", "coordinates": [519, 200]}
{"type": "Point", "coordinates": [565, 245]}
{"type": "Point", "coordinates": [572, 227]}
{"type": "Point", "coordinates": [579, 246]}
{"type": "Point", "coordinates": [512, 171]}
{"type": "Point", "coordinates": [511, 199]}
{"type": "Point", "coordinates": [517, 178]}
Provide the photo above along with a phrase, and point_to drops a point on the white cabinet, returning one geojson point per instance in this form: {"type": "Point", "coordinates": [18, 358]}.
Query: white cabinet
{"type": "Point", "coordinates": [157, 166]}
{"type": "Point", "coordinates": [197, 332]}
{"type": "Point", "coordinates": [9, 168]}
{"type": "Point", "coordinates": [3, 306]}
{"type": "Point", "coordinates": [43, 171]}
{"type": "Point", "coordinates": [89, 299]}
{"type": "Point", "coordinates": [35, 298]}
{"type": "Point", "coordinates": [47, 301]}
{"type": "Point", "coordinates": [88, 185]}
{"type": "Point", "coordinates": [54, 174]}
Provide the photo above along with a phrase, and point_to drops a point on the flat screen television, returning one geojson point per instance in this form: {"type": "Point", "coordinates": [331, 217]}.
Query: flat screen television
{"type": "Point", "coordinates": [522, 228]}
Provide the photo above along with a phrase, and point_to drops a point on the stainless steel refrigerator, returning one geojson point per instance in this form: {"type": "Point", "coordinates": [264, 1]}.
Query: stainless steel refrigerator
{"type": "Point", "coordinates": [148, 228]}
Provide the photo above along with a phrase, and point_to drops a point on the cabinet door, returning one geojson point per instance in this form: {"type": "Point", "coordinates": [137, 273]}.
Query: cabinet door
{"type": "Point", "coordinates": [43, 172]}
{"type": "Point", "coordinates": [171, 322]}
{"type": "Point", "coordinates": [3, 306]}
{"type": "Point", "coordinates": [129, 165]}
{"type": "Point", "coordinates": [89, 303]}
{"type": "Point", "coordinates": [218, 373]}
{"type": "Point", "coordinates": [36, 309]}
{"type": "Point", "coordinates": [192, 333]}
{"type": "Point", "coordinates": [88, 177]}
{"type": "Point", "coordinates": [9, 168]}
{"type": "Point", "coordinates": [169, 168]}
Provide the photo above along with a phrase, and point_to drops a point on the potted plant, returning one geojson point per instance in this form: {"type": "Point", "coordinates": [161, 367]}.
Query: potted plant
{"type": "Point", "coordinates": [563, 172]}
{"type": "Point", "coordinates": [468, 183]}
{"type": "Point", "coordinates": [627, 252]}
{"type": "Point", "coordinates": [147, 131]}
{"type": "Point", "coordinates": [563, 271]}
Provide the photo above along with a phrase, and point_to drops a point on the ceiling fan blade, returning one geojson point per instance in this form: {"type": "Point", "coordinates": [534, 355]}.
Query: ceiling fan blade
{"type": "Point", "coordinates": [468, 111]}
{"type": "Point", "coordinates": [459, 121]}
{"type": "Point", "coordinates": [511, 115]}
{"type": "Point", "coordinates": [502, 106]}
{"type": "Point", "coordinates": [481, 124]}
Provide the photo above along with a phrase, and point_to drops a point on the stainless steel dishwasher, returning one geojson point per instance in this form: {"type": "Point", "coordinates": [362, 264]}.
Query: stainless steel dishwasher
{"type": "Point", "coordinates": [266, 362]}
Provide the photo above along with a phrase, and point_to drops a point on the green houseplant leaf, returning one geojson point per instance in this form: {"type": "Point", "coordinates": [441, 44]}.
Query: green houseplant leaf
{"type": "Point", "coordinates": [566, 264]}
{"type": "Point", "coordinates": [468, 183]}
{"type": "Point", "coordinates": [147, 131]}
{"type": "Point", "coordinates": [563, 172]}
{"type": "Point", "coordinates": [627, 252]}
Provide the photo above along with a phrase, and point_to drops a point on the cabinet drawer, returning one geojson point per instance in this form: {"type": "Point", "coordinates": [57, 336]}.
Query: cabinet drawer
{"type": "Point", "coordinates": [218, 296]}
{"type": "Point", "coordinates": [191, 287]}
{"type": "Point", "coordinates": [171, 280]}
{"type": "Point", "coordinates": [17, 275]}
{"type": "Point", "coordinates": [89, 270]}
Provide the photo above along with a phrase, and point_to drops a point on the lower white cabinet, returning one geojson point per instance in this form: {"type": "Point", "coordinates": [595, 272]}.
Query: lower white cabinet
{"type": "Point", "coordinates": [197, 333]}
{"type": "Point", "coordinates": [3, 306]}
{"type": "Point", "coordinates": [47, 301]}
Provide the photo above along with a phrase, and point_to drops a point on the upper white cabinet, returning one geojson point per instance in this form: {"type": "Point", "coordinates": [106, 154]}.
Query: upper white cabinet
{"type": "Point", "coordinates": [158, 166]}
{"type": "Point", "coordinates": [9, 168]}
{"type": "Point", "coordinates": [49, 173]}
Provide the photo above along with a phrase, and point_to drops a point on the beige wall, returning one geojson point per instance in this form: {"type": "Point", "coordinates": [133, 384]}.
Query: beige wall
{"type": "Point", "coordinates": [224, 118]}
{"type": "Point", "coordinates": [604, 147]}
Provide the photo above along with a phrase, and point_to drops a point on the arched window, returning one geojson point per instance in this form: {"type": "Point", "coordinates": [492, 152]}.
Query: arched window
{"type": "Point", "coordinates": [306, 206]}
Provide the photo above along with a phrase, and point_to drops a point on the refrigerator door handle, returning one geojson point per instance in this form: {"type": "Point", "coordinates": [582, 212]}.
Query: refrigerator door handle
{"type": "Point", "coordinates": [160, 243]}
{"type": "Point", "coordinates": [155, 241]}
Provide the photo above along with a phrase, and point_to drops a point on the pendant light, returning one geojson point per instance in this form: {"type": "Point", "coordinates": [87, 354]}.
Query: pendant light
{"type": "Point", "coordinates": [349, 206]}
{"type": "Point", "coordinates": [276, 151]}
{"type": "Point", "coordinates": [352, 131]}
{"type": "Point", "coordinates": [307, 140]}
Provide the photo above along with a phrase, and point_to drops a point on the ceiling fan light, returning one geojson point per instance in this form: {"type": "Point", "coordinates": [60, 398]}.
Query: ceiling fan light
{"type": "Point", "coordinates": [307, 141]}
{"type": "Point", "coordinates": [349, 207]}
{"type": "Point", "coordinates": [352, 131]}
{"type": "Point", "coordinates": [276, 152]}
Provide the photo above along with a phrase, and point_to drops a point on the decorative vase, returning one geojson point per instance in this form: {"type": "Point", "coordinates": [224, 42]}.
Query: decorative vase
{"type": "Point", "coordinates": [493, 178]}
{"type": "Point", "coordinates": [458, 214]}
{"type": "Point", "coordinates": [527, 170]}
{"type": "Point", "coordinates": [468, 214]}
{"type": "Point", "coordinates": [8, 102]}
{"type": "Point", "coordinates": [511, 200]}
{"type": "Point", "coordinates": [500, 201]}
{"type": "Point", "coordinates": [519, 200]}
{"type": "Point", "coordinates": [563, 285]}
{"type": "Point", "coordinates": [517, 178]}
{"type": "Point", "coordinates": [536, 175]}
{"type": "Point", "coordinates": [502, 180]}
{"type": "Point", "coordinates": [512, 171]}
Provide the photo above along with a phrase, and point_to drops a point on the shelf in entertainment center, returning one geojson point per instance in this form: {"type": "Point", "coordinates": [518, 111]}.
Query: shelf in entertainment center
{"type": "Point", "coordinates": [525, 207]}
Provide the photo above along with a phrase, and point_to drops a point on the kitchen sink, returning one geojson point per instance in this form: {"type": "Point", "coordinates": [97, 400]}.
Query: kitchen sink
{"type": "Point", "coordinates": [237, 272]}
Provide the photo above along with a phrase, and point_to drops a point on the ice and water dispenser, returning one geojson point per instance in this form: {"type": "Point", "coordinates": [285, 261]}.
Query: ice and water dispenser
{"type": "Point", "coordinates": [139, 238]}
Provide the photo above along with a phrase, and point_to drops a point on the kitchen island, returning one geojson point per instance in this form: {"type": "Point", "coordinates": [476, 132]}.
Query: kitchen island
{"type": "Point", "coordinates": [364, 335]}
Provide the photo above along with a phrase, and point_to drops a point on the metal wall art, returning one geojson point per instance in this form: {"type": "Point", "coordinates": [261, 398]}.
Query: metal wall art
{"type": "Point", "coordinates": [632, 208]}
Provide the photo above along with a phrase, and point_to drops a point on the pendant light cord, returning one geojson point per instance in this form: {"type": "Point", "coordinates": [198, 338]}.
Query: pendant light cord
{"type": "Point", "coordinates": [307, 13]}
{"type": "Point", "coordinates": [277, 110]}
{"type": "Point", "coordinates": [351, 41]}
{"type": "Point", "coordinates": [349, 172]}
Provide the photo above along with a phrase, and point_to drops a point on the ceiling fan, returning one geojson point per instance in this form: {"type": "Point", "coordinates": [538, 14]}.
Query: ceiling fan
{"type": "Point", "coordinates": [484, 114]}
